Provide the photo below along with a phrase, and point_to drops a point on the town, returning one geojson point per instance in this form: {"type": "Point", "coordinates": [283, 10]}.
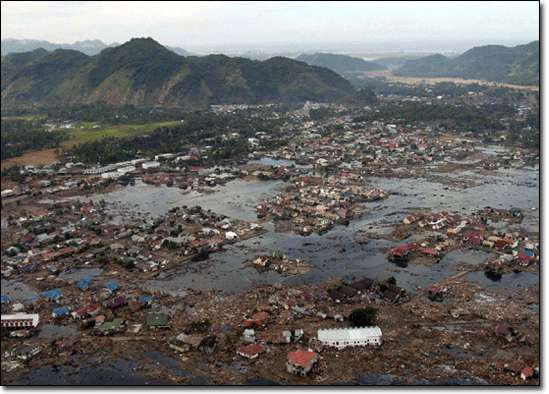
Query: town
{"type": "Point", "coordinates": [77, 267]}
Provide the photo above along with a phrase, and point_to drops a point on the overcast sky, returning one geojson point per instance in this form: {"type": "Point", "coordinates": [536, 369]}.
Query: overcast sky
{"type": "Point", "coordinates": [214, 24]}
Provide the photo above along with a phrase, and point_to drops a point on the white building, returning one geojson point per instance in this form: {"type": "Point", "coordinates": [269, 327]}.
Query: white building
{"type": "Point", "coordinates": [341, 338]}
{"type": "Point", "coordinates": [113, 174]}
{"type": "Point", "coordinates": [20, 320]}
{"type": "Point", "coordinates": [126, 169]}
{"type": "Point", "coordinates": [150, 164]}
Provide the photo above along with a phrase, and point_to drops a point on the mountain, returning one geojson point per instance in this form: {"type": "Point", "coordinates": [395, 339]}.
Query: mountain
{"type": "Point", "coordinates": [143, 72]}
{"type": "Point", "coordinates": [88, 47]}
{"type": "Point", "coordinates": [341, 64]}
{"type": "Point", "coordinates": [516, 65]}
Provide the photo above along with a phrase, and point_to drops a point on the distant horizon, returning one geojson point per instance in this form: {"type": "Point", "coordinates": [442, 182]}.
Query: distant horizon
{"type": "Point", "coordinates": [229, 26]}
{"type": "Point", "coordinates": [389, 46]}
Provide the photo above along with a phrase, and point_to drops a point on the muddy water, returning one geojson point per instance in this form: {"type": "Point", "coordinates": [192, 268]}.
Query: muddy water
{"type": "Point", "coordinates": [335, 254]}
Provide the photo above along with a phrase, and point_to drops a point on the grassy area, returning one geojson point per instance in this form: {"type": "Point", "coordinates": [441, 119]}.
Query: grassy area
{"type": "Point", "coordinates": [89, 133]}
{"type": "Point", "coordinates": [79, 135]}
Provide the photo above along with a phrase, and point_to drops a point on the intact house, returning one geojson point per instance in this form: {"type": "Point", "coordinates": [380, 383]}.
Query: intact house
{"type": "Point", "coordinates": [301, 362]}
{"type": "Point", "coordinates": [252, 351]}
{"type": "Point", "coordinates": [341, 338]}
{"type": "Point", "coordinates": [157, 320]}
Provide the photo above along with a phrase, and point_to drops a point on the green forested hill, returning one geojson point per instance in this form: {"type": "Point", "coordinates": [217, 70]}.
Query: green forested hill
{"type": "Point", "coordinates": [517, 65]}
{"type": "Point", "coordinates": [143, 72]}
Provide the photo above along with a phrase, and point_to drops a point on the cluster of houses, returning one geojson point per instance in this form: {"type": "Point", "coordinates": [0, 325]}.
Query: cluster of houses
{"type": "Point", "coordinates": [313, 204]}
{"type": "Point", "coordinates": [473, 231]}
{"type": "Point", "coordinates": [51, 240]}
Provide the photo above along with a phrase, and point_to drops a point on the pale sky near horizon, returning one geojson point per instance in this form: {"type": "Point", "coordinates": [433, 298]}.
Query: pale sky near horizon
{"type": "Point", "coordinates": [192, 25]}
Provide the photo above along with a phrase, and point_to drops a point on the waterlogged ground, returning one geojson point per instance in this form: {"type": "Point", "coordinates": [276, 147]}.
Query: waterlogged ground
{"type": "Point", "coordinates": [335, 254]}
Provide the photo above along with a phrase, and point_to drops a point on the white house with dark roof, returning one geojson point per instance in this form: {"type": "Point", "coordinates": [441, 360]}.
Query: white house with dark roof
{"type": "Point", "coordinates": [341, 338]}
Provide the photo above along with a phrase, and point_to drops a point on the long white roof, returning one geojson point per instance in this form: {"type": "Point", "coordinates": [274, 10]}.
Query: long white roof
{"type": "Point", "coordinates": [342, 334]}
{"type": "Point", "coordinates": [19, 316]}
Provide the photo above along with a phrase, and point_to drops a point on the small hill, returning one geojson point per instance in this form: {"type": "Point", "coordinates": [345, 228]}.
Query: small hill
{"type": "Point", "coordinates": [143, 72]}
{"type": "Point", "coordinates": [87, 47]}
{"type": "Point", "coordinates": [341, 64]}
{"type": "Point", "coordinates": [497, 63]}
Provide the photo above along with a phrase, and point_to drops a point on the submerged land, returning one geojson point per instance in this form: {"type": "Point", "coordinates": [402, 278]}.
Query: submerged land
{"type": "Point", "coordinates": [208, 247]}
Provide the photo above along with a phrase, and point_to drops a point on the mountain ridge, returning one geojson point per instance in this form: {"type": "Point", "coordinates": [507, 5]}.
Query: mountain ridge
{"type": "Point", "coordinates": [497, 63]}
{"type": "Point", "coordinates": [143, 72]}
{"type": "Point", "coordinates": [87, 47]}
{"type": "Point", "coordinates": [341, 64]}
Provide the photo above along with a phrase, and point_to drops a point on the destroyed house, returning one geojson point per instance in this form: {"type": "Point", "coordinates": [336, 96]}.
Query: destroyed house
{"type": "Point", "coordinates": [430, 251]}
{"type": "Point", "coordinates": [368, 282]}
{"type": "Point", "coordinates": [208, 344]}
{"type": "Point", "coordinates": [301, 362]}
{"type": "Point", "coordinates": [395, 289]}
{"type": "Point", "coordinates": [26, 350]}
{"type": "Point", "coordinates": [391, 296]}
{"type": "Point", "coordinates": [179, 343]}
{"type": "Point", "coordinates": [116, 302]}
{"type": "Point", "coordinates": [146, 301]}
{"type": "Point", "coordinates": [336, 295]}
{"type": "Point", "coordinates": [347, 290]}
{"type": "Point", "coordinates": [505, 330]}
{"type": "Point", "coordinates": [341, 338]}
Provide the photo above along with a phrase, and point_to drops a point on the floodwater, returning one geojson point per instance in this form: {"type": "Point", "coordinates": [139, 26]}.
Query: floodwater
{"type": "Point", "coordinates": [81, 273]}
{"type": "Point", "coordinates": [121, 372]}
{"type": "Point", "coordinates": [335, 254]}
{"type": "Point", "coordinates": [56, 331]}
{"type": "Point", "coordinates": [17, 291]}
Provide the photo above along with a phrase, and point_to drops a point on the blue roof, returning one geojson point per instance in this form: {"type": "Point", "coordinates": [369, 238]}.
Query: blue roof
{"type": "Point", "coordinates": [5, 298]}
{"type": "Point", "coordinates": [52, 294]}
{"type": "Point", "coordinates": [61, 311]}
{"type": "Point", "coordinates": [31, 299]}
{"type": "Point", "coordinates": [146, 299]}
{"type": "Point", "coordinates": [529, 252]}
{"type": "Point", "coordinates": [112, 286]}
{"type": "Point", "coordinates": [84, 283]}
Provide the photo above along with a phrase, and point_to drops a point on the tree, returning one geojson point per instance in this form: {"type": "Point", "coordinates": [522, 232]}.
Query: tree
{"type": "Point", "coordinates": [363, 317]}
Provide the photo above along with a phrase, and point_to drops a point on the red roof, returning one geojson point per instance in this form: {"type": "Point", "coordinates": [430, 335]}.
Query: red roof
{"type": "Point", "coordinates": [513, 368]}
{"type": "Point", "coordinates": [260, 316]}
{"type": "Point", "coordinates": [251, 350]}
{"type": "Point", "coordinates": [396, 252]}
{"type": "Point", "coordinates": [523, 258]}
{"type": "Point", "coordinates": [437, 289]}
{"type": "Point", "coordinates": [302, 357]}
{"type": "Point", "coordinates": [431, 251]}
{"type": "Point", "coordinates": [527, 372]}
{"type": "Point", "coordinates": [250, 323]}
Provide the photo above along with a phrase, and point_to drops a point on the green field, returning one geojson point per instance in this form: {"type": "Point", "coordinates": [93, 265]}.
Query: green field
{"type": "Point", "coordinates": [85, 131]}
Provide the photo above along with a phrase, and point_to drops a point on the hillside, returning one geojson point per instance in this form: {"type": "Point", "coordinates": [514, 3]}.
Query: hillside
{"type": "Point", "coordinates": [341, 64]}
{"type": "Point", "coordinates": [143, 72]}
{"type": "Point", "coordinates": [517, 65]}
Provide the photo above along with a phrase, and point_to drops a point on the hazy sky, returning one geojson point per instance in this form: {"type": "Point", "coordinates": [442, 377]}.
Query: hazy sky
{"type": "Point", "coordinates": [198, 25]}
